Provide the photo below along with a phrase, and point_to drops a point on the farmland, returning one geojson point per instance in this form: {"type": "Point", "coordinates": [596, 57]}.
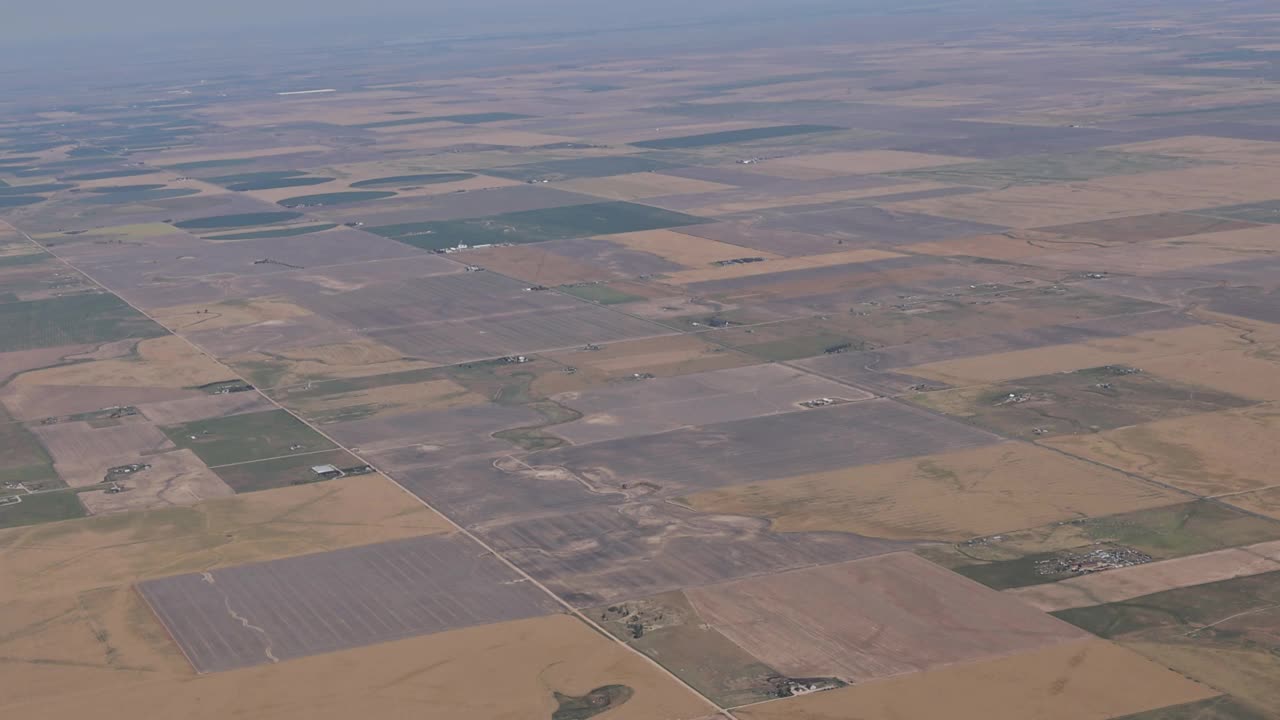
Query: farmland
{"type": "Point", "coordinates": [755, 361]}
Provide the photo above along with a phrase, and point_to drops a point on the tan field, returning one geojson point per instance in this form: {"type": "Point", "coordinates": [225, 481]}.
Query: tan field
{"type": "Point", "coordinates": [1212, 149]}
{"type": "Point", "coordinates": [359, 358]}
{"type": "Point", "coordinates": [167, 362]}
{"type": "Point", "coordinates": [391, 399]}
{"type": "Point", "coordinates": [179, 157]}
{"type": "Point", "coordinates": [82, 454]}
{"type": "Point", "coordinates": [766, 202]}
{"type": "Point", "coordinates": [1005, 246]}
{"type": "Point", "coordinates": [1149, 258]}
{"type": "Point", "coordinates": [190, 318]}
{"type": "Point", "coordinates": [18, 361]}
{"type": "Point", "coordinates": [685, 277]}
{"type": "Point", "coordinates": [1247, 674]}
{"type": "Point", "coordinates": [1133, 349]}
{"type": "Point", "coordinates": [1138, 580]}
{"type": "Point", "coordinates": [1264, 502]}
{"type": "Point", "coordinates": [1211, 454]}
{"type": "Point", "coordinates": [687, 250]}
{"type": "Point", "coordinates": [76, 555]}
{"type": "Point", "coordinates": [864, 162]}
{"type": "Point", "coordinates": [1252, 371]}
{"type": "Point", "coordinates": [1061, 204]}
{"type": "Point", "coordinates": [480, 182]}
{"type": "Point", "coordinates": [531, 659]}
{"type": "Point", "coordinates": [663, 357]}
{"type": "Point", "coordinates": [952, 496]}
{"type": "Point", "coordinates": [637, 186]}
{"type": "Point", "coordinates": [532, 264]}
{"type": "Point", "coordinates": [174, 478]}
{"type": "Point", "coordinates": [1074, 681]}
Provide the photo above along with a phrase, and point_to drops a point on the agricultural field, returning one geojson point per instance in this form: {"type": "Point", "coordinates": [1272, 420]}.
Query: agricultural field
{"type": "Point", "coordinates": [765, 363]}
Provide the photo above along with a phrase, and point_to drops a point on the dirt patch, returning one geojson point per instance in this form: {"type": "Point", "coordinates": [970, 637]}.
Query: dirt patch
{"type": "Point", "coordinates": [1138, 580]}
{"type": "Point", "coordinates": [536, 265]}
{"type": "Point", "coordinates": [661, 357]}
{"type": "Point", "coordinates": [1159, 226]}
{"type": "Point", "coordinates": [232, 313]}
{"type": "Point", "coordinates": [872, 618]}
{"type": "Point", "coordinates": [167, 362]}
{"type": "Point", "coordinates": [1072, 681]}
{"type": "Point", "coordinates": [174, 478]}
{"type": "Point", "coordinates": [536, 659]}
{"type": "Point", "coordinates": [1229, 150]}
{"type": "Point", "coordinates": [1010, 245]}
{"type": "Point", "coordinates": [82, 453]}
{"type": "Point", "coordinates": [685, 277]}
{"type": "Point", "coordinates": [768, 201]}
{"type": "Point", "coordinates": [687, 250]}
{"type": "Point", "coordinates": [58, 558]}
{"type": "Point", "coordinates": [1209, 455]}
{"type": "Point", "coordinates": [202, 406]}
{"type": "Point", "coordinates": [386, 401]}
{"type": "Point", "coordinates": [358, 358]}
{"type": "Point", "coordinates": [863, 162]}
{"type": "Point", "coordinates": [950, 496]}
{"type": "Point", "coordinates": [37, 402]}
{"type": "Point", "coordinates": [1132, 350]}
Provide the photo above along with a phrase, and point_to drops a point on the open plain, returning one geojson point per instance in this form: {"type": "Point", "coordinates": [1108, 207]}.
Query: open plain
{"type": "Point", "coordinates": [841, 361]}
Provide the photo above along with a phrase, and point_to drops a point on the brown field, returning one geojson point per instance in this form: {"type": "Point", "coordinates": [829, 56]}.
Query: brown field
{"type": "Point", "coordinates": [637, 186]}
{"type": "Point", "coordinates": [685, 277]}
{"type": "Point", "coordinates": [1233, 151]}
{"type": "Point", "coordinates": [663, 357]}
{"type": "Point", "coordinates": [1012, 245]}
{"type": "Point", "coordinates": [1140, 228]}
{"type": "Point", "coordinates": [166, 362]}
{"type": "Point", "coordinates": [533, 264]}
{"type": "Point", "coordinates": [76, 555]}
{"type": "Point", "coordinates": [1248, 674]}
{"type": "Point", "coordinates": [865, 162]}
{"type": "Point", "coordinates": [342, 184]}
{"type": "Point", "coordinates": [1150, 258]}
{"type": "Point", "coordinates": [81, 454]}
{"type": "Point", "coordinates": [358, 358]}
{"type": "Point", "coordinates": [1072, 681]}
{"type": "Point", "coordinates": [233, 313]}
{"type": "Point", "coordinates": [872, 618]}
{"type": "Point", "coordinates": [533, 659]}
{"type": "Point", "coordinates": [951, 496]}
{"type": "Point", "coordinates": [182, 157]}
{"type": "Point", "coordinates": [1251, 371]}
{"type": "Point", "coordinates": [1061, 204]}
{"type": "Point", "coordinates": [174, 478]}
{"type": "Point", "coordinates": [19, 361]}
{"type": "Point", "coordinates": [1211, 454]}
{"type": "Point", "coordinates": [202, 406]}
{"type": "Point", "coordinates": [1264, 502]}
{"type": "Point", "coordinates": [1138, 580]}
{"type": "Point", "coordinates": [766, 201]}
{"type": "Point", "coordinates": [687, 250]}
{"type": "Point", "coordinates": [390, 400]}
{"type": "Point", "coordinates": [1133, 349]}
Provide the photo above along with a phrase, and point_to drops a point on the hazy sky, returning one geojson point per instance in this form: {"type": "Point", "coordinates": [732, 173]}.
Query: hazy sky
{"type": "Point", "coordinates": [44, 20]}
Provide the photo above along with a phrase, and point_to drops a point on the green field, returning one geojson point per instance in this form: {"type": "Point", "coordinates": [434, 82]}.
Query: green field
{"type": "Point", "coordinates": [733, 136]}
{"type": "Point", "coordinates": [282, 472]}
{"type": "Point", "coordinates": [108, 174]}
{"type": "Point", "coordinates": [276, 233]}
{"type": "Point", "coordinates": [268, 180]}
{"type": "Point", "coordinates": [23, 459]}
{"type": "Point", "coordinates": [403, 180]}
{"type": "Point", "coordinates": [69, 320]}
{"type": "Point", "coordinates": [1045, 169]}
{"type": "Point", "coordinates": [602, 294]}
{"type": "Point", "coordinates": [41, 508]}
{"type": "Point", "coordinates": [600, 700]}
{"type": "Point", "coordinates": [231, 221]}
{"type": "Point", "coordinates": [580, 168]}
{"type": "Point", "coordinates": [533, 226]}
{"type": "Point", "coordinates": [241, 438]}
{"type": "Point", "coordinates": [1163, 533]}
{"type": "Point", "coordinates": [10, 201]}
{"type": "Point", "coordinates": [9, 261]}
{"type": "Point", "coordinates": [336, 198]}
{"type": "Point", "coordinates": [1262, 212]}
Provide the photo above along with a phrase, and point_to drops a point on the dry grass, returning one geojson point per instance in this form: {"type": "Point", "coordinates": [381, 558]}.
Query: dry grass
{"type": "Point", "coordinates": [232, 313]}
{"type": "Point", "coordinates": [951, 496]}
{"type": "Point", "coordinates": [529, 660]}
{"type": "Point", "coordinates": [687, 250]}
{"type": "Point", "coordinates": [1212, 149]}
{"type": "Point", "coordinates": [166, 362]}
{"type": "Point", "coordinates": [1252, 371]}
{"type": "Point", "coordinates": [685, 277]}
{"type": "Point", "coordinates": [1211, 454]}
{"type": "Point", "coordinates": [1073, 681]}
{"type": "Point", "coordinates": [637, 186]}
{"type": "Point", "coordinates": [358, 358]}
{"type": "Point", "coordinates": [864, 162]}
{"type": "Point", "coordinates": [1005, 246]}
{"type": "Point", "coordinates": [765, 202]}
{"type": "Point", "coordinates": [392, 399]}
{"type": "Point", "coordinates": [174, 479]}
{"type": "Point", "coordinates": [663, 357]}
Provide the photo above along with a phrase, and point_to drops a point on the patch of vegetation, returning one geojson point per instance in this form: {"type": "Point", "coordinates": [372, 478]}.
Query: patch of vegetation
{"type": "Point", "coordinates": [533, 226]}
{"type": "Point", "coordinates": [136, 196]}
{"type": "Point", "coordinates": [275, 233]}
{"type": "Point", "coordinates": [37, 188]}
{"type": "Point", "coordinates": [124, 188]}
{"type": "Point", "coordinates": [108, 174]}
{"type": "Point", "coordinates": [1222, 707]}
{"type": "Point", "coordinates": [241, 438]}
{"type": "Point", "coordinates": [10, 201]}
{"type": "Point", "coordinates": [336, 198]}
{"type": "Point", "coordinates": [268, 180]}
{"type": "Point", "coordinates": [802, 347]}
{"type": "Point", "coordinates": [403, 180]}
{"type": "Point", "coordinates": [588, 167]}
{"type": "Point", "coordinates": [1047, 169]}
{"type": "Point", "coordinates": [41, 508]}
{"type": "Point", "coordinates": [71, 320]}
{"type": "Point", "coordinates": [537, 437]}
{"type": "Point", "coordinates": [282, 472]}
{"type": "Point", "coordinates": [602, 699]}
{"type": "Point", "coordinates": [22, 458]}
{"type": "Point", "coordinates": [602, 294]}
{"type": "Point", "coordinates": [1261, 212]}
{"type": "Point", "coordinates": [37, 258]}
{"type": "Point", "coordinates": [733, 136]}
{"type": "Point", "coordinates": [241, 220]}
